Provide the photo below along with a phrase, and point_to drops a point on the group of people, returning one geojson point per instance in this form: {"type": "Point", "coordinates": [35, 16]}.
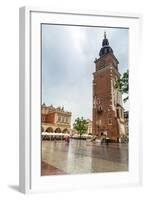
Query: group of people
{"type": "Point", "coordinates": [103, 139]}
{"type": "Point", "coordinates": [67, 138]}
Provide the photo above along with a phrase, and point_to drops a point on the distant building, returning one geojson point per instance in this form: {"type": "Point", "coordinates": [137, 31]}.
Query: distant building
{"type": "Point", "coordinates": [89, 125]}
{"type": "Point", "coordinates": [55, 119]}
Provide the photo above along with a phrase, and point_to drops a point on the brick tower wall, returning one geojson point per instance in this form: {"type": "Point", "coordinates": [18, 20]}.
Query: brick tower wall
{"type": "Point", "coordinates": [104, 115]}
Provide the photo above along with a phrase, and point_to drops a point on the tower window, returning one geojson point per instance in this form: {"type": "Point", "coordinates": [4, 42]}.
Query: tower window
{"type": "Point", "coordinates": [110, 121]}
{"type": "Point", "coordinates": [99, 109]}
{"type": "Point", "coordinates": [118, 116]}
{"type": "Point", "coordinates": [98, 101]}
{"type": "Point", "coordinates": [105, 51]}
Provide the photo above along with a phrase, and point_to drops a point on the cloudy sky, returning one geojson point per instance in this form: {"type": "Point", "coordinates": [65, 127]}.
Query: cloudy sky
{"type": "Point", "coordinates": [68, 54]}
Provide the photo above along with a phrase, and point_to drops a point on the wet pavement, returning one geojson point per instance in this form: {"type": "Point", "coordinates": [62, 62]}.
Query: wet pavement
{"type": "Point", "coordinates": [81, 156]}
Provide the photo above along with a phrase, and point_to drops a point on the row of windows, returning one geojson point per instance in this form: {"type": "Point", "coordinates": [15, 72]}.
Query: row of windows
{"type": "Point", "coordinates": [109, 122]}
{"type": "Point", "coordinates": [63, 119]}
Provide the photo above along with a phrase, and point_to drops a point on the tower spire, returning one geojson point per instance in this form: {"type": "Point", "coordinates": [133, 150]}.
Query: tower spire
{"type": "Point", "coordinates": [105, 49]}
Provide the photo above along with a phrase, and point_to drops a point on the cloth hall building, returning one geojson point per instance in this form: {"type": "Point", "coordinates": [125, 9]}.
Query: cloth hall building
{"type": "Point", "coordinates": [55, 119]}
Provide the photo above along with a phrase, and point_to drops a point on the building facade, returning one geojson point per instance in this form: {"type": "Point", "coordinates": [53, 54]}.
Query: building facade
{"type": "Point", "coordinates": [55, 119]}
{"type": "Point", "coordinates": [89, 126]}
{"type": "Point", "coordinates": [126, 117]}
{"type": "Point", "coordinates": [108, 112]}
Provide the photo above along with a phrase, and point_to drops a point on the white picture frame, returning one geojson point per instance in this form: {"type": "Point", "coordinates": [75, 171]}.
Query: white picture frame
{"type": "Point", "coordinates": [30, 150]}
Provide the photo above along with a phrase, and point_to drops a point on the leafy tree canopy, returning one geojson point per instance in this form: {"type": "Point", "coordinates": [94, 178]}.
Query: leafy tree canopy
{"type": "Point", "coordinates": [122, 84]}
{"type": "Point", "coordinates": [80, 125]}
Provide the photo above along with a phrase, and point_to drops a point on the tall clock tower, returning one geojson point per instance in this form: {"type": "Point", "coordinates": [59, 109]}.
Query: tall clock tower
{"type": "Point", "coordinates": [108, 112]}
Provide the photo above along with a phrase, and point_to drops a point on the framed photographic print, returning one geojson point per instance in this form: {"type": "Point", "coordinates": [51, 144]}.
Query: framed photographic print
{"type": "Point", "coordinates": [79, 105]}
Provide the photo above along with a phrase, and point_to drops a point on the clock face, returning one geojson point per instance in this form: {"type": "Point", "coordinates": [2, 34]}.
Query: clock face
{"type": "Point", "coordinates": [101, 63]}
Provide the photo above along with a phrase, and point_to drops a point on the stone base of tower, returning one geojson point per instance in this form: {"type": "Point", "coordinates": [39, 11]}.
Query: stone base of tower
{"type": "Point", "coordinates": [109, 125]}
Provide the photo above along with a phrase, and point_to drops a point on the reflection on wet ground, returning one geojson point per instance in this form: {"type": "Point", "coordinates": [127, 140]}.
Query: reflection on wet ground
{"type": "Point", "coordinates": [80, 156]}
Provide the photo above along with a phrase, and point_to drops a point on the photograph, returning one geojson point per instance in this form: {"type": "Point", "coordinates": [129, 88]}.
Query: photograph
{"type": "Point", "coordinates": [84, 99]}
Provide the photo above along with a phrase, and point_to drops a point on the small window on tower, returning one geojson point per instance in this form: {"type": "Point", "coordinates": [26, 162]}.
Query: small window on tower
{"type": "Point", "coordinates": [118, 113]}
{"type": "Point", "coordinates": [110, 121]}
{"type": "Point", "coordinates": [98, 101]}
{"type": "Point", "coordinates": [99, 109]}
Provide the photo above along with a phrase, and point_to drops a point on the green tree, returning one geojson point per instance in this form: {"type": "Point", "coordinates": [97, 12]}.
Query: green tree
{"type": "Point", "coordinates": [122, 84]}
{"type": "Point", "coordinates": [80, 125]}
